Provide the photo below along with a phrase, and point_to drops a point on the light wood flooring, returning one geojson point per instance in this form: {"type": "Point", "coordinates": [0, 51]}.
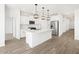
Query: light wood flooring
{"type": "Point", "coordinates": [56, 45]}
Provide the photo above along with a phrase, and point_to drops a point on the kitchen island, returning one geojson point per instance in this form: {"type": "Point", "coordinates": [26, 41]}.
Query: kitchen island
{"type": "Point", "coordinates": [36, 37]}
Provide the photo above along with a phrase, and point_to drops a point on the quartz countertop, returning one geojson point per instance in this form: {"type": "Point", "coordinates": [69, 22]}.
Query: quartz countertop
{"type": "Point", "coordinates": [38, 31]}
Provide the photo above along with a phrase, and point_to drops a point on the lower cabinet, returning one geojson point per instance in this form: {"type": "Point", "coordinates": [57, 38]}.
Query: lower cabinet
{"type": "Point", "coordinates": [22, 33]}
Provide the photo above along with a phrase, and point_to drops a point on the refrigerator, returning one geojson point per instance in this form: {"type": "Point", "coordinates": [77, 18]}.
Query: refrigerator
{"type": "Point", "coordinates": [55, 26]}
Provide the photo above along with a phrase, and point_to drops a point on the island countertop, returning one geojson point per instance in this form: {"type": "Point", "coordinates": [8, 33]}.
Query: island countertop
{"type": "Point", "coordinates": [36, 37]}
{"type": "Point", "coordinates": [38, 31]}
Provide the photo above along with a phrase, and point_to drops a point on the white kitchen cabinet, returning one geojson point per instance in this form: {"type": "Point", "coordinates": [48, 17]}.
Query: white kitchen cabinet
{"type": "Point", "coordinates": [24, 19]}
{"type": "Point", "coordinates": [36, 37]}
{"type": "Point", "coordinates": [22, 33]}
{"type": "Point", "coordinates": [44, 24]}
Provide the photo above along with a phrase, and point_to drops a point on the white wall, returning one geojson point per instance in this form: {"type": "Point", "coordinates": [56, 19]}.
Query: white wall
{"type": "Point", "coordinates": [54, 8]}
{"type": "Point", "coordinates": [76, 25]}
{"type": "Point", "coordinates": [2, 25]}
{"type": "Point", "coordinates": [72, 23]}
{"type": "Point", "coordinates": [8, 26]}
{"type": "Point", "coordinates": [8, 21]}
{"type": "Point", "coordinates": [16, 22]}
{"type": "Point", "coordinates": [13, 21]}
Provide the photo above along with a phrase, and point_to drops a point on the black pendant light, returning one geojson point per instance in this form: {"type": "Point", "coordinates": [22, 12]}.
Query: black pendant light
{"type": "Point", "coordinates": [48, 17]}
{"type": "Point", "coordinates": [36, 16]}
{"type": "Point", "coordinates": [43, 15]}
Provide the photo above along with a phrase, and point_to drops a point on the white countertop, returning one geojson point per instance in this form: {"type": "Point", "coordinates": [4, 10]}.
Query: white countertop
{"type": "Point", "coordinates": [38, 31]}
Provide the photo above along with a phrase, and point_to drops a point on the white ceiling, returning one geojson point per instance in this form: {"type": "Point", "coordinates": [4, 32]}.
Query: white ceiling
{"type": "Point", "coordinates": [67, 9]}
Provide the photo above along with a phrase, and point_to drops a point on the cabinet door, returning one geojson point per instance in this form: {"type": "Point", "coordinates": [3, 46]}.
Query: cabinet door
{"type": "Point", "coordinates": [22, 33]}
{"type": "Point", "coordinates": [44, 24]}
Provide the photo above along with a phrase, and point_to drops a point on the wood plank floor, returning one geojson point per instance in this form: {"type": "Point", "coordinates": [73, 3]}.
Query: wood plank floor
{"type": "Point", "coordinates": [56, 45]}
